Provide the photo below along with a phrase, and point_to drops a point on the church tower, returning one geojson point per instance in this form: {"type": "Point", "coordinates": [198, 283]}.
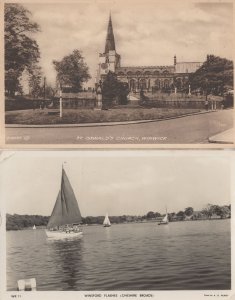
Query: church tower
{"type": "Point", "coordinates": [109, 60]}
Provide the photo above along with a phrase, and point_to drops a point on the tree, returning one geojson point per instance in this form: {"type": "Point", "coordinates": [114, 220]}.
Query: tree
{"type": "Point", "coordinates": [208, 210]}
{"type": "Point", "coordinates": [72, 71]}
{"type": "Point", "coordinates": [150, 215]}
{"type": "Point", "coordinates": [188, 211]}
{"type": "Point", "coordinates": [215, 76]}
{"type": "Point", "coordinates": [181, 83]}
{"type": "Point", "coordinates": [21, 50]}
{"type": "Point", "coordinates": [12, 82]}
{"type": "Point", "coordinates": [112, 89]}
{"type": "Point", "coordinates": [157, 215]}
{"type": "Point", "coordinates": [35, 79]}
{"type": "Point", "coordinates": [16, 222]}
{"type": "Point", "coordinates": [227, 210]}
{"type": "Point", "coordinates": [123, 91]}
{"type": "Point", "coordinates": [171, 216]}
{"type": "Point", "coordinates": [221, 211]}
{"type": "Point", "coordinates": [50, 91]}
{"type": "Point", "coordinates": [180, 215]}
{"type": "Point", "coordinates": [218, 211]}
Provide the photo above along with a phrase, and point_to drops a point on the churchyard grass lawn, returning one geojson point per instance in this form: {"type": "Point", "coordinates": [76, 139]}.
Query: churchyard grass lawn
{"type": "Point", "coordinates": [79, 116]}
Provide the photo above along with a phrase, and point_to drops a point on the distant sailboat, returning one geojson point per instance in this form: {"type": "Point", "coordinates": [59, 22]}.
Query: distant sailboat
{"type": "Point", "coordinates": [66, 215]}
{"type": "Point", "coordinates": [106, 222]}
{"type": "Point", "coordinates": [34, 227]}
{"type": "Point", "coordinates": [165, 220]}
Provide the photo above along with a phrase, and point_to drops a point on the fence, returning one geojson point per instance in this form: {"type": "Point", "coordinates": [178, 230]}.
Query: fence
{"type": "Point", "coordinates": [20, 104]}
{"type": "Point", "coordinates": [77, 100]}
{"type": "Point", "coordinates": [197, 104]}
{"type": "Point", "coordinates": [80, 95]}
{"type": "Point", "coordinates": [78, 103]}
{"type": "Point", "coordinates": [87, 100]}
{"type": "Point", "coordinates": [23, 104]}
{"type": "Point", "coordinates": [172, 96]}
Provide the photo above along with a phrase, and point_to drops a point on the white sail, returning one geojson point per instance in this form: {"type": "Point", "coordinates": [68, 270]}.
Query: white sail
{"type": "Point", "coordinates": [106, 221]}
{"type": "Point", "coordinates": [34, 227]}
{"type": "Point", "coordinates": [165, 219]}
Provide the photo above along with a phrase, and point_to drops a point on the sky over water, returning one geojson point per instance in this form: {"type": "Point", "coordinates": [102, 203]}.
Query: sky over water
{"type": "Point", "coordinates": [119, 183]}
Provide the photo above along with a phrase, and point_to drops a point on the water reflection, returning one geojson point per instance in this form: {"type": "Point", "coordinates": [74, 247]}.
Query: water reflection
{"type": "Point", "coordinates": [67, 256]}
{"type": "Point", "coordinates": [107, 232]}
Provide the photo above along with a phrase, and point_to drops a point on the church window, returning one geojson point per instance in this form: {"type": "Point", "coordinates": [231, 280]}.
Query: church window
{"type": "Point", "coordinates": [132, 85]}
{"type": "Point", "coordinates": [147, 73]}
{"type": "Point", "coordinates": [157, 83]}
{"type": "Point", "coordinates": [129, 73]}
{"type": "Point", "coordinates": [120, 74]}
{"type": "Point", "coordinates": [166, 83]}
{"type": "Point", "coordinates": [138, 73]}
{"type": "Point", "coordinates": [143, 84]}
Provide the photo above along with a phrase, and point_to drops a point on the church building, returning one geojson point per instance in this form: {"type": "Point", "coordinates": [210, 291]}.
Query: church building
{"type": "Point", "coordinates": [147, 78]}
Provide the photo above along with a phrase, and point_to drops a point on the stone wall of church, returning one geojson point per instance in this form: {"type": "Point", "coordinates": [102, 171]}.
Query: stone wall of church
{"type": "Point", "coordinates": [147, 83]}
{"type": "Point", "coordinates": [146, 78]}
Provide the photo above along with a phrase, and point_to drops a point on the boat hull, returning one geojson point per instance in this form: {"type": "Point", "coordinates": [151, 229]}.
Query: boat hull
{"type": "Point", "coordinates": [107, 225]}
{"type": "Point", "coordinates": [163, 223]}
{"type": "Point", "coordinates": [63, 234]}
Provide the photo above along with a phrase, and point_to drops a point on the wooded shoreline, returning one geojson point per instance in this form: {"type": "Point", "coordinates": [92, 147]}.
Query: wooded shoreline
{"type": "Point", "coordinates": [210, 212]}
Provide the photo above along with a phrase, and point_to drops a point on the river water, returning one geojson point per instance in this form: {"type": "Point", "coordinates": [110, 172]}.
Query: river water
{"type": "Point", "coordinates": [193, 255]}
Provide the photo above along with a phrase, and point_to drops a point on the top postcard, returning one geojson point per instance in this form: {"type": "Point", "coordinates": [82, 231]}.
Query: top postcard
{"type": "Point", "coordinates": [118, 74]}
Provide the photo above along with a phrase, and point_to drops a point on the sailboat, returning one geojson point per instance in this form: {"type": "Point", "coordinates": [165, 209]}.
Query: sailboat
{"type": "Point", "coordinates": [34, 227]}
{"type": "Point", "coordinates": [66, 217]}
{"type": "Point", "coordinates": [106, 222]}
{"type": "Point", "coordinates": [165, 220]}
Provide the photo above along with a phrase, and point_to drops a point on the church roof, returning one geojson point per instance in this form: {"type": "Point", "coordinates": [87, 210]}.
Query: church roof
{"type": "Point", "coordinates": [147, 70]}
{"type": "Point", "coordinates": [147, 67]}
{"type": "Point", "coordinates": [110, 42]}
{"type": "Point", "coordinates": [187, 67]}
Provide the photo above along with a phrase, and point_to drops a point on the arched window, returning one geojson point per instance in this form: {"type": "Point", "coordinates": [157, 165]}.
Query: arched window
{"type": "Point", "coordinates": [157, 83]}
{"type": "Point", "coordinates": [143, 84]}
{"type": "Point", "coordinates": [132, 84]}
{"type": "Point", "coordinates": [120, 74]}
{"type": "Point", "coordinates": [166, 83]}
{"type": "Point", "coordinates": [138, 73]}
{"type": "Point", "coordinates": [156, 73]}
{"type": "Point", "coordinates": [147, 73]}
{"type": "Point", "coordinates": [165, 72]}
{"type": "Point", "coordinates": [129, 73]}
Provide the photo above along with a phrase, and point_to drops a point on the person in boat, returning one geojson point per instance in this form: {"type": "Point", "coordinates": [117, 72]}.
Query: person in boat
{"type": "Point", "coordinates": [66, 229]}
{"type": "Point", "coordinates": [54, 228]}
{"type": "Point", "coordinates": [72, 228]}
{"type": "Point", "coordinates": [76, 228]}
{"type": "Point", "coordinates": [69, 228]}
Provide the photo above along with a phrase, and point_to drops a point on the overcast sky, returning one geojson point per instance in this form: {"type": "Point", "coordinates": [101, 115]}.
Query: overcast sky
{"type": "Point", "coordinates": [146, 32]}
{"type": "Point", "coordinates": [117, 182]}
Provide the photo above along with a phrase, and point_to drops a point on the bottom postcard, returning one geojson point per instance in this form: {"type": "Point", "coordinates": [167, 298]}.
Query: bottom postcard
{"type": "Point", "coordinates": [117, 224]}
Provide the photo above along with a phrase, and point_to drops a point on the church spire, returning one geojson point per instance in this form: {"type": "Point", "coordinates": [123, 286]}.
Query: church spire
{"type": "Point", "coordinates": [110, 42]}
